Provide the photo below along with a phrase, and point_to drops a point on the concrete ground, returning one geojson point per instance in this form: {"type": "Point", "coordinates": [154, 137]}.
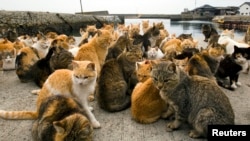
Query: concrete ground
{"type": "Point", "coordinates": [119, 126]}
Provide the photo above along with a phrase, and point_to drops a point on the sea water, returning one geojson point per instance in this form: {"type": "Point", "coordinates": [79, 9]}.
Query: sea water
{"type": "Point", "coordinates": [188, 27]}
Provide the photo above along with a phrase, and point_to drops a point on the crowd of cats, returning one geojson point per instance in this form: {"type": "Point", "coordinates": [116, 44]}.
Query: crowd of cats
{"type": "Point", "coordinates": [140, 66]}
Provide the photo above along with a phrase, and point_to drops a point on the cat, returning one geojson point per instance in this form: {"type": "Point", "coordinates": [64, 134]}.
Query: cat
{"type": "Point", "coordinates": [26, 58]}
{"type": "Point", "coordinates": [188, 43]}
{"type": "Point", "coordinates": [181, 63]}
{"type": "Point", "coordinates": [118, 47]}
{"type": "Point", "coordinates": [42, 45]}
{"type": "Point", "coordinates": [115, 83]}
{"type": "Point", "coordinates": [185, 36]}
{"type": "Point", "coordinates": [205, 63]}
{"type": "Point", "coordinates": [231, 66]}
{"type": "Point", "coordinates": [57, 58]}
{"type": "Point", "coordinates": [154, 53]}
{"type": "Point", "coordinates": [78, 83]}
{"type": "Point", "coordinates": [230, 43]}
{"type": "Point", "coordinates": [247, 36]}
{"type": "Point", "coordinates": [61, 118]}
{"type": "Point", "coordinates": [92, 30]}
{"type": "Point", "coordinates": [196, 100]}
{"type": "Point", "coordinates": [96, 50]}
{"type": "Point", "coordinates": [208, 30]}
{"type": "Point", "coordinates": [7, 59]}
{"type": "Point", "coordinates": [148, 39]}
{"type": "Point", "coordinates": [146, 96]}
{"type": "Point", "coordinates": [145, 25]}
{"type": "Point", "coordinates": [134, 29]}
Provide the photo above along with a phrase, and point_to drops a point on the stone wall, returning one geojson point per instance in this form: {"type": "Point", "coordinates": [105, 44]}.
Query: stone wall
{"type": "Point", "coordinates": [27, 22]}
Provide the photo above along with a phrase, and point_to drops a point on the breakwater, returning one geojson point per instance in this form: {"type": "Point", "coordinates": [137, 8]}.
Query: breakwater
{"type": "Point", "coordinates": [27, 22]}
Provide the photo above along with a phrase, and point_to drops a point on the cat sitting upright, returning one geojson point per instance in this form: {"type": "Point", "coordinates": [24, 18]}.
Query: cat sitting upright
{"type": "Point", "coordinates": [96, 49]}
{"type": "Point", "coordinates": [196, 100]}
{"type": "Point", "coordinates": [146, 96]}
{"type": "Point", "coordinates": [114, 85]}
{"type": "Point", "coordinates": [231, 66]}
{"type": "Point", "coordinates": [208, 31]}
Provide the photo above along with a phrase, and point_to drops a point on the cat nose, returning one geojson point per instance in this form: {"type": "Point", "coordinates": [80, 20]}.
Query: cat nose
{"type": "Point", "coordinates": [159, 86]}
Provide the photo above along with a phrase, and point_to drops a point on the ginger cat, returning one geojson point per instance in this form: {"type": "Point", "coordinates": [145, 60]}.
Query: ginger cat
{"type": "Point", "coordinates": [145, 25]}
{"type": "Point", "coordinates": [146, 96]}
{"type": "Point", "coordinates": [78, 83]}
{"type": "Point", "coordinates": [96, 49]}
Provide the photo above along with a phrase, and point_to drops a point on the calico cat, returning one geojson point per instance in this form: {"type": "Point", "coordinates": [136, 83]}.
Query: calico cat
{"type": "Point", "coordinates": [78, 83]}
{"type": "Point", "coordinates": [146, 96]}
{"type": "Point", "coordinates": [61, 118]}
{"type": "Point", "coordinates": [231, 66]}
{"type": "Point", "coordinates": [195, 99]}
{"type": "Point", "coordinates": [208, 31]}
{"type": "Point", "coordinates": [114, 85]}
{"type": "Point", "coordinates": [96, 50]}
{"type": "Point", "coordinates": [25, 59]}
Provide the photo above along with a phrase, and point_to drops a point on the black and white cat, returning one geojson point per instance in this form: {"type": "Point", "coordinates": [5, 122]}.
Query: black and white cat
{"type": "Point", "coordinates": [231, 66]}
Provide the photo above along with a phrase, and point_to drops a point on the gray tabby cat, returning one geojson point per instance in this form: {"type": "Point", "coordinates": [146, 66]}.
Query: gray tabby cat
{"type": "Point", "coordinates": [196, 99]}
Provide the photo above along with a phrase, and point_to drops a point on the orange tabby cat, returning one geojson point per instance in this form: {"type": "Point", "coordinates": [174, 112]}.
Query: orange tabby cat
{"type": "Point", "coordinates": [78, 83]}
{"type": "Point", "coordinates": [147, 106]}
{"type": "Point", "coordinates": [96, 49]}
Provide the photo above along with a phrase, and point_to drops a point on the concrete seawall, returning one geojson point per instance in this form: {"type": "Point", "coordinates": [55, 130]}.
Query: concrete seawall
{"type": "Point", "coordinates": [27, 22]}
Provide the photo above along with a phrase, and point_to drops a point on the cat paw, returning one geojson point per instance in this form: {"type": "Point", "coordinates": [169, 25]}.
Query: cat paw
{"type": "Point", "coordinates": [238, 83]}
{"type": "Point", "coordinates": [233, 86]}
{"type": "Point", "coordinates": [91, 108]}
{"type": "Point", "coordinates": [96, 124]}
{"type": "Point", "coordinates": [35, 92]}
{"type": "Point", "coordinates": [91, 98]}
{"type": "Point", "coordinates": [173, 125]}
{"type": "Point", "coordinates": [194, 134]}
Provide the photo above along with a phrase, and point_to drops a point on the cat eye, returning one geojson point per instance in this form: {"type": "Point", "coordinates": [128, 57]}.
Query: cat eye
{"type": "Point", "coordinates": [155, 79]}
{"type": "Point", "coordinates": [166, 80]}
{"type": "Point", "coordinates": [85, 77]}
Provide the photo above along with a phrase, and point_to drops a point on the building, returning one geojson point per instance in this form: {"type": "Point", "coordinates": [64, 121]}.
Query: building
{"type": "Point", "coordinates": [244, 9]}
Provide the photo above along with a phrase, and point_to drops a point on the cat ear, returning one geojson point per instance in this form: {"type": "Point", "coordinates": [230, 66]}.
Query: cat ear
{"type": "Point", "coordinates": [91, 66]}
{"type": "Point", "coordinates": [74, 63]}
{"type": "Point", "coordinates": [172, 67]}
{"type": "Point", "coordinates": [58, 126]}
{"type": "Point", "coordinates": [99, 32]}
{"type": "Point", "coordinates": [153, 62]}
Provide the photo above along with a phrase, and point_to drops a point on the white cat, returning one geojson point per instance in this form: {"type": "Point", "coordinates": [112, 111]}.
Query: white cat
{"type": "Point", "coordinates": [154, 53]}
{"type": "Point", "coordinates": [42, 45]}
{"type": "Point", "coordinates": [230, 43]}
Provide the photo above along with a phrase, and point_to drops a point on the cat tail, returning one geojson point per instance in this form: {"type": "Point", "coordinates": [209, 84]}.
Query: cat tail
{"type": "Point", "coordinates": [50, 53]}
{"type": "Point", "coordinates": [18, 114]}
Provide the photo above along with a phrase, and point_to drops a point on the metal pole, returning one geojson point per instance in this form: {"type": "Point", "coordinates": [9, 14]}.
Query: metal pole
{"type": "Point", "coordinates": [81, 5]}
